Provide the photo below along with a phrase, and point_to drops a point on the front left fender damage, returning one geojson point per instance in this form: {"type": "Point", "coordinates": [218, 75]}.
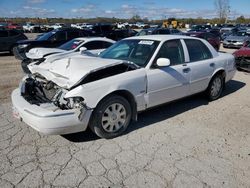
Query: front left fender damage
{"type": "Point", "coordinates": [132, 81]}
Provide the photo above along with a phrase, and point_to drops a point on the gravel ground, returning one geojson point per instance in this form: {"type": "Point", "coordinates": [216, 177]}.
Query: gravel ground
{"type": "Point", "coordinates": [189, 143]}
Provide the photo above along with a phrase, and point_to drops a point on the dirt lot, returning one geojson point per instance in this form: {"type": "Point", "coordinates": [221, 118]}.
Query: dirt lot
{"type": "Point", "coordinates": [189, 143]}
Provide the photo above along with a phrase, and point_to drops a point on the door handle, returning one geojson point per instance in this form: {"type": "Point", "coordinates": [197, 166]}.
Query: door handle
{"type": "Point", "coordinates": [186, 70]}
{"type": "Point", "coordinates": [212, 65]}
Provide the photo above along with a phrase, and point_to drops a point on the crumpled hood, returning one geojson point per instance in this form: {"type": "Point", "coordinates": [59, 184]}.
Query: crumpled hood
{"type": "Point", "coordinates": [37, 53]}
{"type": "Point", "coordinates": [68, 72]}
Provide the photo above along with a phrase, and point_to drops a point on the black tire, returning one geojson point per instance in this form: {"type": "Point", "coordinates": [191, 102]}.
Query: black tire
{"type": "Point", "coordinates": [211, 94]}
{"type": "Point", "coordinates": [96, 122]}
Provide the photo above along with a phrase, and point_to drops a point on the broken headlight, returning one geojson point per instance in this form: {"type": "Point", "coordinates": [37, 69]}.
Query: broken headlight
{"type": "Point", "coordinates": [75, 102]}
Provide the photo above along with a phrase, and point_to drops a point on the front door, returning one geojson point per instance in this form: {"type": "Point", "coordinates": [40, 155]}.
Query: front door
{"type": "Point", "coordinates": [168, 83]}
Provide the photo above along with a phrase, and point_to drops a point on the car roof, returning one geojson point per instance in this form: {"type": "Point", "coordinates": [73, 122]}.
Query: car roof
{"type": "Point", "coordinates": [161, 37]}
{"type": "Point", "coordinates": [94, 38]}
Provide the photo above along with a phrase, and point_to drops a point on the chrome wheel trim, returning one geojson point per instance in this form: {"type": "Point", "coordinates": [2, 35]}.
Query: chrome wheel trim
{"type": "Point", "coordinates": [216, 87]}
{"type": "Point", "coordinates": [114, 117]}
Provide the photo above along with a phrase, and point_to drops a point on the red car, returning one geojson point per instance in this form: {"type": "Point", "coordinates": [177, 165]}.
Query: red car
{"type": "Point", "coordinates": [211, 38]}
{"type": "Point", "coordinates": [242, 57]}
{"type": "Point", "coordinates": [13, 26]}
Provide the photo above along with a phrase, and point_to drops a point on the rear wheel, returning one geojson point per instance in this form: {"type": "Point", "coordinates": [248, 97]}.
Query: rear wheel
{"type": "Point", "coordinates": [215, 87]}
{"type": "Point", "coordinates": [111, 117]}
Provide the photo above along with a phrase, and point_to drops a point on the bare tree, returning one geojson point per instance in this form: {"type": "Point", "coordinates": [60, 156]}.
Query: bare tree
{"type": "Point", "coordinates": [222, 8]}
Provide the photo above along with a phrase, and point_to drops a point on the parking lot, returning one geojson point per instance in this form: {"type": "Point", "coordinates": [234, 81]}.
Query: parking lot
{"type": "Point", "coordinates": [188, 143]}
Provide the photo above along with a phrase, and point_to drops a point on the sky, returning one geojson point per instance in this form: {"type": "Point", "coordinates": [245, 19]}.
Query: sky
{"type": "Point", "coordinates": [150, 9]}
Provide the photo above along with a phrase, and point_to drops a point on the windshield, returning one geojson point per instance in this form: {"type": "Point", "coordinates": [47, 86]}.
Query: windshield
{"type": "Point", "coordinates": [71, 45]}
{"type": "Point", "coordinates": [136, 51]}
{"type": "Point", "coordinates": [46, 36]}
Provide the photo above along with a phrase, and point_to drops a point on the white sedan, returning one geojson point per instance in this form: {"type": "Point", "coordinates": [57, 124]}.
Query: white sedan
{"type": "Point", "coordinates": [93, 44]}
{"type": "Point", "coordinates": [107, 92]}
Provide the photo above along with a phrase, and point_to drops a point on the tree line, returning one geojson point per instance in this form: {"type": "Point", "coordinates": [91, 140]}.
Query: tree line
{"type": "Point", "coordinates": [134, 19]}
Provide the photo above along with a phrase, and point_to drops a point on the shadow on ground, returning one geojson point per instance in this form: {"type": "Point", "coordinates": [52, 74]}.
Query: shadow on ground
{"type": "Point", "coordinates": [2, 54]}
{"type": "Point", "coordinates": [161, 113]}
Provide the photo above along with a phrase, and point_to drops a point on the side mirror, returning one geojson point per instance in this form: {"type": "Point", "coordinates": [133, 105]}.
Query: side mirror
{"type": "Point", "coordinates": [163, 62]}
{"type": "Point", "coordinates": [82, 49]}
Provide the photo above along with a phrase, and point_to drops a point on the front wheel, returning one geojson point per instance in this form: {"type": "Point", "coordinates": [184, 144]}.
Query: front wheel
{"type": "Point", "coordinates": [215, 87]}
{"type": "Point", "coordinates": [111, 117]}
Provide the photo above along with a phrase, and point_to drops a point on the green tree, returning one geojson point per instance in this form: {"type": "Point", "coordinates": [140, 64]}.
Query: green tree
{"type": "Point", "coordinates": [241, 19]}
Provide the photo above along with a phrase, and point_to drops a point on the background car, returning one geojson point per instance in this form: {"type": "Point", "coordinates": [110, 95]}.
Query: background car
{"type": "Point", "coordinates": [159, 31]}
{"type": "Point", "coordinates": [93, 45]}
{"type": "Point", "coordinates": [211, 38]}
{"type": "Point", "coordinates": [13, 26]}
{"type": "Point", "coordinates": [236, 40]}
{"type": "Point", "coordinates": [8, 39]}
{"type": "Point", "coordinates": [121, 34]}
{"type": "Point", "coordinates": [51, 39]}
{"type": "Point", "coordinates": [31, 28]}
{"type": "Point", "coordinates": [242, 57]}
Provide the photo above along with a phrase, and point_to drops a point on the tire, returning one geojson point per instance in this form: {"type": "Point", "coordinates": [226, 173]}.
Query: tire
{"type": "Point", "coordinates": [215, 87]}
{"type": "Point", "coordinates": [108, 122]}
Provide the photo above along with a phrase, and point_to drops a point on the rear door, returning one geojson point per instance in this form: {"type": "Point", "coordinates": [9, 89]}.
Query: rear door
{"type": "Point", "coordinates": [201, 64]}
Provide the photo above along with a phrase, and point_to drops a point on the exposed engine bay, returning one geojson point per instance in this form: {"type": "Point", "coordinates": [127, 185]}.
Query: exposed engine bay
{"type": "Point", "coordinates": [37, 90]}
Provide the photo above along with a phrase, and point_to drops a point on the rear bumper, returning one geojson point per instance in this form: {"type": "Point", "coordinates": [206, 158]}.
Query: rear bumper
{"type": "Point", "coordinates": [47, 120]}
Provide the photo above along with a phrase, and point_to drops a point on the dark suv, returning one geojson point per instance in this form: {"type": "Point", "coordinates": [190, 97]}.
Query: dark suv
{"type": "Point", "coordinates": [8, 39]}
{"type": "Point", "coordinates": [51, 39]}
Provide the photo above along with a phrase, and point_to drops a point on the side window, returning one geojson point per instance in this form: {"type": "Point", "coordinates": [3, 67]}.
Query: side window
{"type": "Point", "coordinates": [197, 50]}
{"type": "Point", "coordinates": [94, 45]}
{"type": "Point", "coordinates": [107, 44]}
{"type": "Point", "coordinates": [172, 50]}
{"type": "Point", "coordinates": [13, 33]}
{"type": "Point", "coordinates": [60, 36]}
{"type": "Point", "coordinates": [72, 34]}
{"type": "Point", "coordinates": [3, 34]}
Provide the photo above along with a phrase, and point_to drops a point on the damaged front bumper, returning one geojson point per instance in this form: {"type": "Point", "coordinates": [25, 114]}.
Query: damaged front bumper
{"type": "Point", "coordinates": [48, 119]}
